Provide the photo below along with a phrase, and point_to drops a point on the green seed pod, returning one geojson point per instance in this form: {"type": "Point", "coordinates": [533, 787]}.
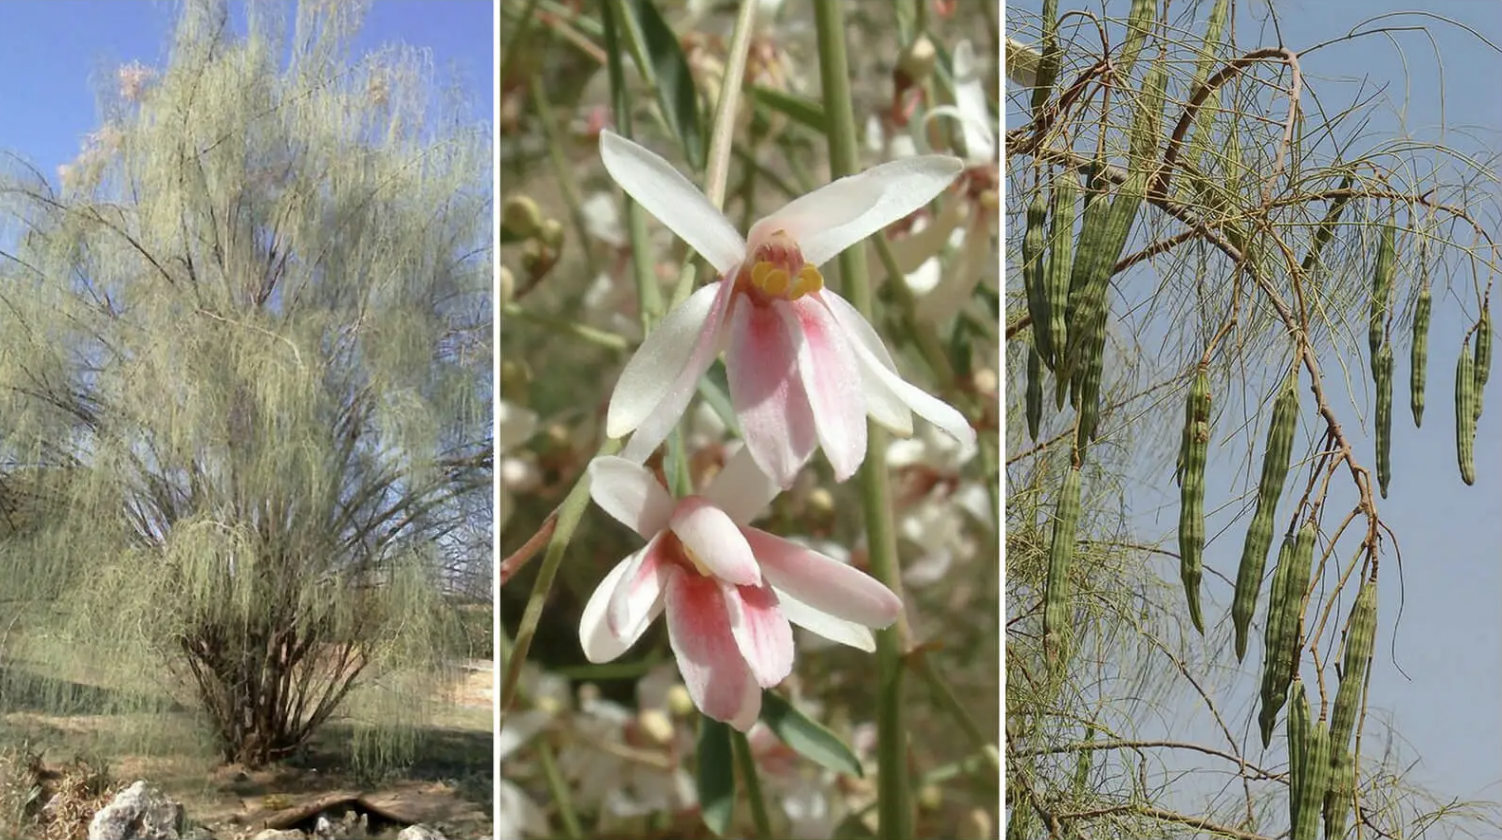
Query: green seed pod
{"type": "Point", "coordinates": [1382, 275]}
{"type": "Point", "coordinates": [1060, 266]}
{"type": "Point", "coordinates": [1382, 373]}
{"type": "Point", "coordinates": [1050, 56]}
{"type": "Point", "coordinates": [1361, 641]}
{"type": "Point", "coordinates": [1316, 782]}
{"type": "Point", "coordinates": [1326, 230]}
{"type": "Point", "coordinates": [1483, 359]}
{"type": "Point", "coordinates": [1034, 392]}
{"type": "Point", "coordinates": [1139, 22]}
{"type": "Point", "coordinates": [1419, 356]}
{"type": "Point", "coordinates": [1034, 245]}
{"type": "Point", "coordinates": [1259, 535]}
{"type": "Point", "coordinates": [1091, 371]}
{"type": "Point", "coordinates": [1276, 665]}
{"type": "Point", "coordinates": [1298, 749]}
{"type": "Point", "coordinates": [1060, 555]}
{"type": "Point", "coordinates": [1465, 414]}
{"type": "Point", "coordinates": [1195, 449]}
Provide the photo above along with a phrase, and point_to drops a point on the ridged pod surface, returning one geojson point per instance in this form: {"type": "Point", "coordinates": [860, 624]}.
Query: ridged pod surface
{"type": "Point", "coordinates": [1315, 784]}
{"type": "Point", "coordinates": [1034, 269]}
{"type": "Point", "coordinates": [1049, 57]}
{"type": "Point", "coordinates": [1465, 414]}
{"type": "Point", "coordinates": [1090, 372]}
{"type": "Point", "coordinates": [1061, 263]}
{"type": "Point", "coordinates": [1382, 373]}
{"type": "Point", "coordinates": [1276, 662]}
{"type": "Point", "coordinates": [1299, 730]}
{"type": "Point", "coordinates": [1094, 218]}
{"type": "Point", "coordinates": [1193, 453]}
{"type": "Point", "coordinates": [1139, 22]}
{"type": "Point", "coordinates": [1361, 640]}
{"type": "Point", "coordinates": [1419, 355]}
{"type": "Point", "coordinates": [1200, 141]}
{"type": "Point", "coordinates": [1382, 275]}
{"type": "Point", "coordinates": [1483, 362]}
{"type": "Point", "coordinates": [1034, 392]}
{"type": "Point", "coordinates": [1060, 556]}
{"type": "Point", "coordinates": [1259, 535]}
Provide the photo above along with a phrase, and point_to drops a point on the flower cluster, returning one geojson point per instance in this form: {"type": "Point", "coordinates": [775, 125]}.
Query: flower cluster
{"type": "Point", "coordinates": [805, 371]}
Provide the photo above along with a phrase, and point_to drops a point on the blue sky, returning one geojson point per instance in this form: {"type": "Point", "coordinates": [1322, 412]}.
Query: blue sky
{"type": "Point", "coordinates": [1444, 703]}
{"type": "Point", "coordinates": [55, 52]}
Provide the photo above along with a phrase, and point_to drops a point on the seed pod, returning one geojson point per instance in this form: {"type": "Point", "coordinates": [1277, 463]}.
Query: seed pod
{"type": "Point", "coordinates": [1204, 120]}
{"type": "Point", "coordinates": [1194, 451]}
{"type": "Point", "coordinates": [1139, 21]}
{"type": "Point", "coordinates": [1316, 782]}
{"type": "Point", "coordinates": [1419, 356]}
{"type": "Point", "coordinates": [1049, 57]}
{"type": "Point", "coordinates": [1465, 414]}
{"type": "Point", "coordinates": [1382, 373]}
{"type": "Point", "coordinates": [1060, 555]}
{"type": "Point", "coordinates": [1276, 663]}
{"type": "Point", "coordinates": [1483, 359]}
{"type": "Point", "coordinates": [1361, 640]}
{"type": "Point", "coordinates": [1326, 230]}
{"type": "Point", "coordinates": [1034, 244]}
{"type": "Point", "coordinates": [1259, 535]}
{"type": "Point", "coordinates": [1381, 289]}
{"type": "Point", "coordinates": [1298, 749]}
{"type": "Point", "coordinates": [1034, 392]}
{"type": "Point", "coordinates": [1091, 371]}
{"type": "Point", "coordinates": [1060, 266]}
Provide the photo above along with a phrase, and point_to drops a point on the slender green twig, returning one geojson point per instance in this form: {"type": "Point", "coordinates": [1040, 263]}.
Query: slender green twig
{"type": "Point", "coordinates": [513, 44]}
{"type": "Point", "coordinates": [565, 327]}
{"type": "Point", "coordinates": [648, 293]}
{"type": "Point", "coordinates": [558, 789]}
{"type": "Point", "coordinates": [747, 762]}
{"type": "Point", "coordinates": [894, 815]}
{"type": "Point", "coordinates": [721, 141]}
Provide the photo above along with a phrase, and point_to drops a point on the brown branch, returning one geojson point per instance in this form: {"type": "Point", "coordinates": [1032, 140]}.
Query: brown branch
{"type": "Point", "coordinates": [519, 558]}
{"type": "Point", "coordinates": [1087, 746]}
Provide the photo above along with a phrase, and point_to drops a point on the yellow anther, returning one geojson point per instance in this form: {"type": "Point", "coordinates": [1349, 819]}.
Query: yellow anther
{"type": "Point", "coordinates": [809, 280]}
{"type": "Point", "coordinates": [759, 274]}
{"type": "Point", "coordinates": [775, 282]}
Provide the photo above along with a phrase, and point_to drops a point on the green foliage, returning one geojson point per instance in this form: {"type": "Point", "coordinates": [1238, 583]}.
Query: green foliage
{"type": "Point", "coordinates": [242, 370]}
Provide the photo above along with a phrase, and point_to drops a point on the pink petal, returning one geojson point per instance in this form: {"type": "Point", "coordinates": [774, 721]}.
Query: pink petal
{"type": "Point", "coordinates": [595, 637]}
{"type": "Point", "coordinates": [822, 623]}
{"type": "Point", "coordinates": [714, 673]}
{"type": "Point", "coordinates": [823, 583]}
{"type": "Point", "coordinates": [629, 493]}
{"type": "Point", "coordinates": [740, 488]}
{"type": "Point", "coordinates": [632, 604]}
{"type": "Point", "coordinates": [665, 377]}
{"type": "Point", "coordinates": [832, 381]}
{"type": "Point", "coordinates": [715, 540]}
{"type": "Point", "coordinates": [761, 632]}
{"type": "Point", "coordinates": [777, 422]}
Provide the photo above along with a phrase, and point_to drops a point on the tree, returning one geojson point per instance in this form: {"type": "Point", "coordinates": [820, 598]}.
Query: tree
{"type": "Point", "coordinates": [249, 339]}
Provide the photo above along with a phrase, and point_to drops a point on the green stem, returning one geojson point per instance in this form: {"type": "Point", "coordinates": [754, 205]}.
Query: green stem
{"type": "Point", "coordinates": [569, 514]}
{"type": "Point", "coordinates": [717, 170]}
{"type": "Point", "coordinates": [562, 170]}
{"type": "Point", "coordinates": [895, 816]}
{"type": "Point", "coordinates": [952, 705]}
{"type": "Point", "coordinates": [747, 764]}
{"type": "Point", "coordinates": [513, 44]}
{"type": "Point", "coordinates": [648, 293]}
{"type": "Point", "coordinates": [558, 789]}
{"type": "Point", "coordinates": [608, 340]}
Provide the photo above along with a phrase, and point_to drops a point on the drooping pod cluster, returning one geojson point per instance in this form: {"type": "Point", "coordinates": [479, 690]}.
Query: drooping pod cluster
{"type": "Point", "coordinates": [1193, 453]}
{"type": "Point", "coordinates": [1259, 535]}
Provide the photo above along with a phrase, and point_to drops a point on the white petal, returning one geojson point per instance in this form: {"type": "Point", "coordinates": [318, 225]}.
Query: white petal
{"type": "Point", "coordinates": [824, 624]}
{"type": "Point", "coordinates": [630, 493]}
{"type": "Point", "coordinates": [960, 277]}
{"type": "Point", "coordinates": [598, 643]}
{"type": "Point", "coordinates": [840, 214]}
{"type": "Point", "coordinates": [514, 425]}
{"type": "Point", "coordinates": [925, 242]}
{"type": "Point", "coordinates": [882, 404]}
{"type": "Point", "coordinates": [658, 362]}
{"type": "Point", "coordinates": [740, 488]}
{"type": "Point", "coordinates": [654, 184]}
{"type": "Point", "coordinates": [517, 728]}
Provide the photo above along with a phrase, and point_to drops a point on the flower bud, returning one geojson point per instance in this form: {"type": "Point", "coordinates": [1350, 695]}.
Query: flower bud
{"type": "Point", "coordinates": [551, 234]}
{"type": "Point", "coordinates": [976, 825]}
{"type": "Point", "coordinates": [679, 701]}
{"type": "Point", "coordinates": [656, 726]}
{"type": "Point", "coordinates": [916, 62]}
{"type": "Point", "coordinates": [930, 798]}
{"type": "Point", "coordinates": [508, 285]}
{"type": "Point", "coordinates": [520, 216]}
